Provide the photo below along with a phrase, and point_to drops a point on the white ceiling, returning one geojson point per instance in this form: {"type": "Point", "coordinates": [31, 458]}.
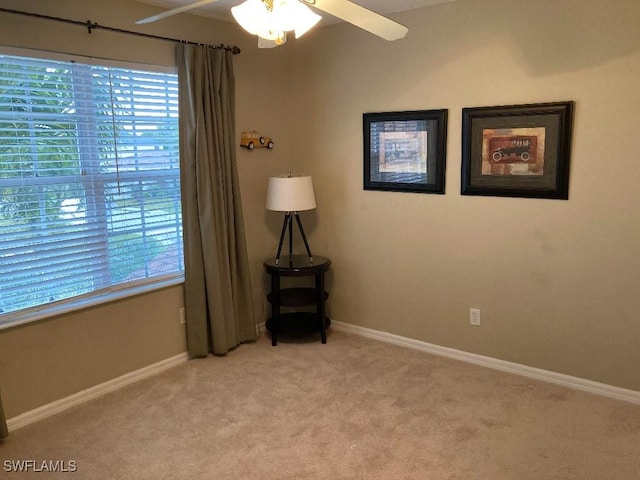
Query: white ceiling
{"type": "Point", "coordinates": [221, 9]}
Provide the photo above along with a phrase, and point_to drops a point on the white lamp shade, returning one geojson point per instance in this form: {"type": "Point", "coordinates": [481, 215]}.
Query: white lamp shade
{"type": "Point", "coordinates": [290, 193]}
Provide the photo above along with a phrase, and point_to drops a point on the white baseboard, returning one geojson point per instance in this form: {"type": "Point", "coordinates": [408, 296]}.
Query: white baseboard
{"type": "Point", "coordinates": [631, 396]}
{"type": "Point", "coordinates": [576, 383]}
{"type": "Point", "coordinates": [63, 404]}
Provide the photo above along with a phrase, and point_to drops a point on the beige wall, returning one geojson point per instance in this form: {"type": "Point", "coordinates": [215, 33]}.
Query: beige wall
{"type": "Point", "coordinates": [48, 360]}
{"type": "Point", "coordinates": [558, 282]}
{"type": "Point", "coordinates": [54, 358]}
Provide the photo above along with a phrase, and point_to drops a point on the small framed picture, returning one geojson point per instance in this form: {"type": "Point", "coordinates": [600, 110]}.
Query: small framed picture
{"type": "Point", "coordinates": [517, 151]}
{"type": "Point", "coordinates": [405, 151]}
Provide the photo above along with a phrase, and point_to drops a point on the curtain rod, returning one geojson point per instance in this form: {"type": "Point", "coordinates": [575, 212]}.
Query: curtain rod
{"type": "Point", "coordinates": [94, 26]}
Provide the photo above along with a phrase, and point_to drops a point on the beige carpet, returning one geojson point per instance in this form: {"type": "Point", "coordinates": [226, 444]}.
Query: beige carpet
{"type": "Point", "coordinates": [351, 409]}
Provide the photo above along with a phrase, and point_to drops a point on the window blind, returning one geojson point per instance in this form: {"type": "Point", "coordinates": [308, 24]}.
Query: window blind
{"type": "Point", "coordinates": [89, 181]}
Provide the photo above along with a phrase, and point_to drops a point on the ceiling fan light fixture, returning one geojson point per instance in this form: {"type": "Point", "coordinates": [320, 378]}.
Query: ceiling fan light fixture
{"type": "Point", "coordinates": [264, 43]}
{"type": "Point", "coordinates": [271, 19]}
{"type": "Point", "coordinates": [252, 15]}
{"type": "Point", "coordinates": [294, 15]}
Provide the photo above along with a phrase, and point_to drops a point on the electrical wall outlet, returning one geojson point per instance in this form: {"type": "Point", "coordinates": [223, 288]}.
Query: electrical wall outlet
{"type": "Point", "coordinates": [183, 320]}
{"type": "Point", "coordinates": [474, 316]}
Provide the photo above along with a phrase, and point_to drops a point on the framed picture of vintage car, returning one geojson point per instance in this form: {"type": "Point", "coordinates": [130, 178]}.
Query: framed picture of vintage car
{"type": "Point", "coordinates": [405, 151]}
{"type": "Point", "coordinates": [517, 150]}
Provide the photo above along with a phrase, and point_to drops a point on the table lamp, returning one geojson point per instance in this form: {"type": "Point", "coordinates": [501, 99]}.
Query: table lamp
{"type": "Point", "coordinates": [291, 193]}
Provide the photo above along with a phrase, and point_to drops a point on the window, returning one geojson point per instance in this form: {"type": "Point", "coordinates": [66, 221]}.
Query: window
{"type": "Point", "coordinates": [89, 182]}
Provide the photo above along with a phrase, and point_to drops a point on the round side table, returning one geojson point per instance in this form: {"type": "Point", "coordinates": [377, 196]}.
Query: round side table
{"type": "Point", "coordinates": [298, 321]}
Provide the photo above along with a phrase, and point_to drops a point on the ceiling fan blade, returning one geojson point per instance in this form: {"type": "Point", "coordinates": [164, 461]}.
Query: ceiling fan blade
{"type": "Point", "coordinates": [175, 11]}
{"type": "Point", "coordinates": [361, 17]}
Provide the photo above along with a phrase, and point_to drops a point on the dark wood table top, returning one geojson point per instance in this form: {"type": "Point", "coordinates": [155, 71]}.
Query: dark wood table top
{"type": "Point", "coordinates": [297, 265]}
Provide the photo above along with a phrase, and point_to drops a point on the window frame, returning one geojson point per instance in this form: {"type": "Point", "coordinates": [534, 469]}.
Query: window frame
{"type": "Point", "coordinates": [114, 292]}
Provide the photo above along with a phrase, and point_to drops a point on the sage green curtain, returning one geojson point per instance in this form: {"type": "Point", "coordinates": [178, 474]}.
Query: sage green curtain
{"type": "Point", "coordinates": [4, 432]}
{"type": "Point", "coordinates": [218, 297]}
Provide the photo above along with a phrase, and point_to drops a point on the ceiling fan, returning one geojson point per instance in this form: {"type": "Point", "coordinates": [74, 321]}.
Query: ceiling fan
{"type": "Point", "coordinates": [270, 20]}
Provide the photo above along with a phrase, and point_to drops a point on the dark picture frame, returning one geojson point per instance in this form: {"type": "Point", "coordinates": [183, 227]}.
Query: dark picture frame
{"type": "Point", "coordinates": [517, 150]}
{"type": "Point", "coordinates": [405, 151]}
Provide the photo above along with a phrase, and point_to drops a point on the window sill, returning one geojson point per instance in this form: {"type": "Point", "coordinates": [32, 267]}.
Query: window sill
{"type": "Point", "coordinates": [85, 302]}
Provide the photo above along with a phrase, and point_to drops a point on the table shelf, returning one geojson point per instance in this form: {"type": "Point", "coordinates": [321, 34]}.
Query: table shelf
{"type": "Point", "coordinates": [298, 323]}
